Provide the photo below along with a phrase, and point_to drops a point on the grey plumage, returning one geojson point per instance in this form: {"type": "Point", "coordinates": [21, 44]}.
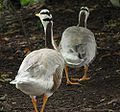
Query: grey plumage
{"type": "Point", "coordinates": [75, 42]}
{"type": "Point", "coordinates": [36, 73]}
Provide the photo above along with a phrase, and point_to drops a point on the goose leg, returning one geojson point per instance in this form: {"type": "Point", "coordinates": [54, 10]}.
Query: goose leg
{"type": "Point", "coordinates": [34, 101]}
{"type": "Point", "coordinates": [44, 103]}
{"type": "Point", "coordinates": [85, 77]}
{"type": "Point", "coordinates": [67, 78]}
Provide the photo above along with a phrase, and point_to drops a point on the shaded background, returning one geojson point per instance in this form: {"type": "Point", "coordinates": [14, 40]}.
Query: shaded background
{"type": "Point", "coordinates": [21, 32]}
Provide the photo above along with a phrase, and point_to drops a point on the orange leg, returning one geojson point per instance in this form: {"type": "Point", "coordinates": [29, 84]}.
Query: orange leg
{"type": "Point", "coordinates": [44, 103]}
{"type": "Point", "coordinates": [34, 101]}
{"type": "Point", "coordinates": [85, 76]}
{"type": "Point", "coordinates": [67, 78]}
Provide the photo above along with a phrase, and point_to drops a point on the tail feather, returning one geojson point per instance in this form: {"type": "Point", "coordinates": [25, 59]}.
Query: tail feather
{"type": "Point", "coordinates": [13, 82]}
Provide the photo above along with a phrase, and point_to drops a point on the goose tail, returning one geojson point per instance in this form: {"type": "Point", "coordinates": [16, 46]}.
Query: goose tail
{"type": "Point", "coordinates": [13, 82]}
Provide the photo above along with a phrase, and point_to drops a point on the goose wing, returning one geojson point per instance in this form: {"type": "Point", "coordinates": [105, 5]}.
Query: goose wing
{"type": "Point", "coordinates": [77, 45]}
{"type": "Point", "coordinates": [87, 48]}
{"type": "Point", "coordinates": [57, 76]}
{"type": "Point", "coordinates": [31, 67]}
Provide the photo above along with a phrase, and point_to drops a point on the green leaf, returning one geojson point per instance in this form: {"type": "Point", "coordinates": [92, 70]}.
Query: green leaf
{"type": "Point", "coordinates": [27, 2]}
{"type": "Point", "coordinates": [24, 2]}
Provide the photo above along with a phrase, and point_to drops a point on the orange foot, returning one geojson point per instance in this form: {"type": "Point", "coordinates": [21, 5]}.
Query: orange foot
{"type": "Point", "coordinates": [81, 79]}
{"type": "Point", "coordinates": [72, 83]}
{"type": "Point", "coordinates": [84, 78]}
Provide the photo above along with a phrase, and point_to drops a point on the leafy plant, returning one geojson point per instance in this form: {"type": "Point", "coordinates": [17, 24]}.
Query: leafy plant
{"type": "Point", "coordinates": [27, 2]}
{"type": "Point", "coordinates": [1, 5]}
{"type": "Point", "coordinates": [111, 24]}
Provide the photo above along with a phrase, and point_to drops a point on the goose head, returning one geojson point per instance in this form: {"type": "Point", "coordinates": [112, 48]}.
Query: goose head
{"type": "Point", "coordinates": [45, 17]}
{"type": "Point", "coordinates": [84, 12]}
{"type": "Point", "coordinates": [47, 22]}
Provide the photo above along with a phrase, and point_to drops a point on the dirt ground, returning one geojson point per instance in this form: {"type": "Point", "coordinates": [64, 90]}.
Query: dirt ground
{"type": "Point", "coordinates": [100, 94]}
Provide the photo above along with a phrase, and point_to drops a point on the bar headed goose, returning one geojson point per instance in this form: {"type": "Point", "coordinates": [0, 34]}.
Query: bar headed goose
{"type": "Point", "coordinates": [41, 71]}
{"type": "Point", "coordinates": [78, 46]}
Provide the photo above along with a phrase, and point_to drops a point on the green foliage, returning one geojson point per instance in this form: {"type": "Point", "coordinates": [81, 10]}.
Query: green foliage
{"type": "Point", "coordinates": [1, 5]}
{"type": "Point", "coordinates": [111, 23]}
{"type": "Point", "coordinates": [24, 2]}
{"type": "Point", "coordinates": [27, 2]}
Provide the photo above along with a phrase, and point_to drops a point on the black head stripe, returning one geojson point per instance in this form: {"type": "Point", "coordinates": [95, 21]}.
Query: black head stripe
{"type": "Point", "coordinates": [83, 8]}
{"type": "Point", "coordinates": [45, 13]}
{"type": "Point", "coordinates": [47, 19]}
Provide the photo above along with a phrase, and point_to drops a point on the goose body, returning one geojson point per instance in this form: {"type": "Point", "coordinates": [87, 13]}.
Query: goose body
{"type": "Point", "coordinates": [78, 46]}
{"type": "Point", "coordinates": [41, 71]}
{"type": "Point", "coordinates": [38, 72]}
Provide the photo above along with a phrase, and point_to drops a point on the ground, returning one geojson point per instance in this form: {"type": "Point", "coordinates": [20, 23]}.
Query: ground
{"type": "Point", "coordinates": [100, 94]}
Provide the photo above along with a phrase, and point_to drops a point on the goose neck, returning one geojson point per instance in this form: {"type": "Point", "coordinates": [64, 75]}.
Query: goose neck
{"type": "Point", "coordinates": [82, 21]}
{"type": "Point", "coordinates": [49, 40]}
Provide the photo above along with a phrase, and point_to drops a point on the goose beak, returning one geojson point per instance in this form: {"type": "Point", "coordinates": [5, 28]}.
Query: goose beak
{"type": "Point", "coordinates": [37, 15]}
